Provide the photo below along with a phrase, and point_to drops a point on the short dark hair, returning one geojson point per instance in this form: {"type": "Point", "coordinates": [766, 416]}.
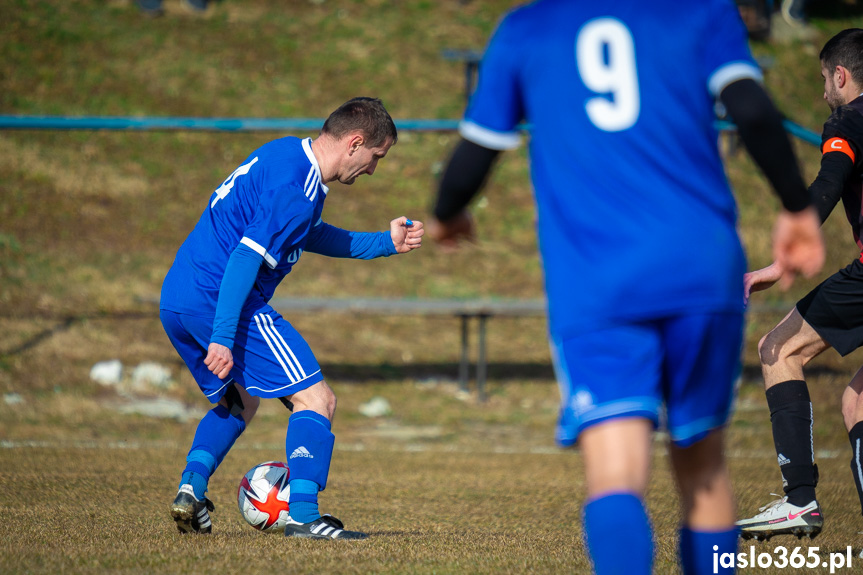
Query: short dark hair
{"type": "Point", "coordinates": [845, 49]}
{"type": "Point", "coordinates": [366, 115]}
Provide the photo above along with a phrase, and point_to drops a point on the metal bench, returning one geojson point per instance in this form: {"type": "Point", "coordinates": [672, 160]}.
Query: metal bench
{"type": "Point", "coordinates": [480, 309]}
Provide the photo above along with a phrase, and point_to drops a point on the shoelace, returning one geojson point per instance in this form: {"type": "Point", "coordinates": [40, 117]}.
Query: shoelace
{"type": "Point", "coordinates": [768, 509]}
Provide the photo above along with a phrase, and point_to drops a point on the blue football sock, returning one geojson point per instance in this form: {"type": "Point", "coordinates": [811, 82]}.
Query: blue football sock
{"type": "Point", "coordinates": [198, 482]}
{"type": "Point", "coordinates": [216, 433]}
{"type": "Point", "coordinates": [613, 523]}
{"type": "Point", "coordinates": [309, 447]}
{"type": "Point", "coordinates": [701, 551]}
{"type": "Point", "coordinates": [304, 500]}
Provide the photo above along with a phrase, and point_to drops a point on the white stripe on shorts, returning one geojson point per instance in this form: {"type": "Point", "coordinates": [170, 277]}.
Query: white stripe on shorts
{"type": "Point", "coordinates": [264, 328]}
{"type": "Point", "coordinates": [296, 362]}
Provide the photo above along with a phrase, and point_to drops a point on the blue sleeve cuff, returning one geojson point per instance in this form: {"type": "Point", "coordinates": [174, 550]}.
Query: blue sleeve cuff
{"type": "Point", "coordinates": [240, 275]}
{"type": "Point", "coordinates": [369, 245]}
{"type": "Point", "coordinates": [388, 245]}
{"type": "Point", "coordinates": [335, 242]}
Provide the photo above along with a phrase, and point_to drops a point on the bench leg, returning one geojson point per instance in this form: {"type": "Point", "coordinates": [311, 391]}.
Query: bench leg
{"type": "Point", "coordinates": [481, 364]}
{"type": "Point", "coordinates": [470, 70]}
{"type": "Point", "coordinates": [465, 362]}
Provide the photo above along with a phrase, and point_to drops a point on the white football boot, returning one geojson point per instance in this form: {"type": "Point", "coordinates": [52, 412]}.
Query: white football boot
{"type": "Point", "coordinates": [783, 518]}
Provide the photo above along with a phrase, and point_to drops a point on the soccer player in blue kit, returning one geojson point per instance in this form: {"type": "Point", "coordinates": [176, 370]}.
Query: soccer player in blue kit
{"type": "Point", "coordinates": [214, 308]}
{"type": "Point", "coordinates": [637, 232]}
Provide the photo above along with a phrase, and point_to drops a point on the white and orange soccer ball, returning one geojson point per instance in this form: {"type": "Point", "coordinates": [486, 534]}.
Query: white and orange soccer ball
{"type": "Point", "coordinates": [263, 496]}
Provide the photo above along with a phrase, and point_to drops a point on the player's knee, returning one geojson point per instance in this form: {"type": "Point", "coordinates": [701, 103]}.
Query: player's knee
{"type": "Point", "coordinates": [329, 402]}
{"type": "Point", "coordinates": [325, 400]}
{"type": "Point", "coordinates": [615, 480]}
{"type": "Point", "coordinates": [769, 347]}
{"type": "Point", "coordinates": [318, 398]}
{"type": "Point", "coordinates": [761, 346]}
{"type": "Point", "coordinates": [702, 461]}
{"type": "Point", "coordinates": [857, 415]}
{"type": "Point", "coordinates": [332, 405]}
{"type": "Point", "coordinates": [852, 409]}
{"type": "Point", "coordinates": [774, 349]}
{"type": "Point", "coordinates": [704, 477]}
{"type": "Point", "coordinates": [617, 455]}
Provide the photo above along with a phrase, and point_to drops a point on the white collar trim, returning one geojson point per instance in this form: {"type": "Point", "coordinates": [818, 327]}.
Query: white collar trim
{"type": "Point", "coordinates": [307, 148]}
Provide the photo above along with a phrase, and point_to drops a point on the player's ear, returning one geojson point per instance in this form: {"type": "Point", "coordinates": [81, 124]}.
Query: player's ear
{"type": "Point", "coordinates": [841, 76]}
{"type": "Point", "coordinates": [355, 142]}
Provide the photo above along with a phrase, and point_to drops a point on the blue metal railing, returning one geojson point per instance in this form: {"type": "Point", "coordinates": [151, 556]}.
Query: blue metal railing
{"type": "Point", "coordinates": [265, 124]}
{"type": "Point", "coordinates": [792, 128]}
{"type": "Point", "coordinates": [202, 124]}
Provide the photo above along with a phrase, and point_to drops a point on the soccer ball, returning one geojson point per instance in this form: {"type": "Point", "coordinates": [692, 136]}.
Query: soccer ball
{"type": "Point", "coordinates": [263, 496]}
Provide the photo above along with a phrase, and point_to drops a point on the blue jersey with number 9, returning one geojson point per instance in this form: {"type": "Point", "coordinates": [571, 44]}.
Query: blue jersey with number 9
{"type": "Point", "coordinates": [636, 218]}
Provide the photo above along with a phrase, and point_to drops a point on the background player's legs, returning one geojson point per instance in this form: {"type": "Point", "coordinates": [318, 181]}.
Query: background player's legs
{"type": "Point", "coordinates": [852, 412]}
{"type": "Point", "coordinates": [309, 447]}
{"type": "Point", "coordinates": [707, 502]}
{"type": "Point", "coordinates": [783, 352]}
{"type": "Point", "coordinates": [617, 464]}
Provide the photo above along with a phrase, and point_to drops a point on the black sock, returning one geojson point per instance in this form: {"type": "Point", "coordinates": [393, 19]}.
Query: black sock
{"type": "Point", "coordinates": [791, 417]}
{"type": "Point", "coordinates": [856, 437]}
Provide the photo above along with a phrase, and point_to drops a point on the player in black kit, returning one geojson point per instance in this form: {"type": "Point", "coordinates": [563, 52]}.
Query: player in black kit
{"type": "Point", "coordinates": [831, 315]}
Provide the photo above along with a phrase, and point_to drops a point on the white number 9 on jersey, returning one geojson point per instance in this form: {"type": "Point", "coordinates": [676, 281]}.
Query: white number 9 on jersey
{"type": "Point", "coordinates": [605, 56]}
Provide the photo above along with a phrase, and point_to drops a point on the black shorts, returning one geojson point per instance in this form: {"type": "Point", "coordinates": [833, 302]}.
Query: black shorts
{"type": "Point", "coordinates": [834, 309]}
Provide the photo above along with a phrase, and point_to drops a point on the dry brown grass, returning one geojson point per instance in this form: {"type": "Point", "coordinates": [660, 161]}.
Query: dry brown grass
{"type": "Point", "coordinates": [89, 493]}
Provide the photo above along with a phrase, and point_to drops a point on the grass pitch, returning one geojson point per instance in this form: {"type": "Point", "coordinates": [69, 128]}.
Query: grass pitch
{"type": "Point", "coordinates": [425, 512]}
{"type": "Point", "coordinates": [443, 485]}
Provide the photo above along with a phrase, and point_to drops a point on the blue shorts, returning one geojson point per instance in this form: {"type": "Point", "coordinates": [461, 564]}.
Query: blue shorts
{"type": "Point", "coordinates": [687, 363]}
{"type": "Point", "coordinates": [271, 359]}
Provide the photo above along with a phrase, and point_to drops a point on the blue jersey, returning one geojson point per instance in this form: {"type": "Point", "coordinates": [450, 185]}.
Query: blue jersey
{"type": "Point", "coordinates": [636, 219]}
{"type": "Point", "coordinates": [253, 230]}
{"type": "Point", "coordinates": [271, 203]}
